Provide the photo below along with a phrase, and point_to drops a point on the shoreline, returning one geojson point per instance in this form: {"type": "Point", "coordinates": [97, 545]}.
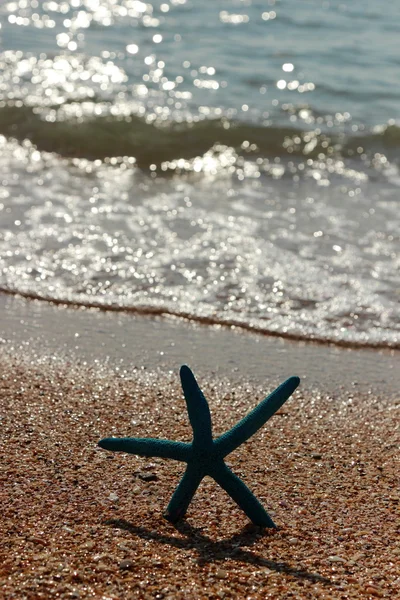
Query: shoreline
{"type": "Point", "coordinates": [194, 320]}
{"type": "Point", "coordinates": [128, 342]}
{"type": "Point", "coordinates": [79, 522]}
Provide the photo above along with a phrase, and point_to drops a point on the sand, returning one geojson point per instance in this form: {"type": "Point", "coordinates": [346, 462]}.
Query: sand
{"type": "Point", "coordinates": [80, 522]}
{"type": "Point", "coordinates": [128, 340]}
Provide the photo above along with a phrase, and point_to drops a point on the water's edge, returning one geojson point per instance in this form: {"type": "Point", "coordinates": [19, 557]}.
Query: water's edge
{"type": "Point", "coordinates": [198, 319]}
{"type": "Point", "coordinates": [127, 342]}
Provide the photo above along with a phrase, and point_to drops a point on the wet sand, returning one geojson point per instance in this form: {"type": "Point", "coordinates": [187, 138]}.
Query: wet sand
{"type": "Point", "coordinates": [130, 342]}
{"type": "Point", "coordinates": [79, 522]}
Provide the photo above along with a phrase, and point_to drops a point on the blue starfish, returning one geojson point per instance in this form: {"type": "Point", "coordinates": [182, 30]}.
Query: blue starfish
{"type": "Point", "coordinates": [205, 456]}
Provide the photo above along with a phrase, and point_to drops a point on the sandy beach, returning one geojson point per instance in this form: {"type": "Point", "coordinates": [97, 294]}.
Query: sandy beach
{"type": "Point", "coordinates": [80, 522]}
{"type": "Point", "coordinates": [211, 184]}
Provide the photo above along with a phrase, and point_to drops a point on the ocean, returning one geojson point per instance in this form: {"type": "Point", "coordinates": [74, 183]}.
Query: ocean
{"type": "Point", "coordinates": [232, 162]}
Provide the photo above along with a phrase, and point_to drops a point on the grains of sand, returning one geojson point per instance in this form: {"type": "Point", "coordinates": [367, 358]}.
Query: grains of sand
{"type": "Point", "coordinates": [79, 522]}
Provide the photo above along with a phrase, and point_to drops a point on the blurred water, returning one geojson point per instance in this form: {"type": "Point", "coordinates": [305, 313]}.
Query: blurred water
{"type": "Point", "coordinates": [235, 161]}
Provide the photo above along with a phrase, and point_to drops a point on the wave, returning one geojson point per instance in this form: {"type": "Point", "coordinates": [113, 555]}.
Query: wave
{"type": "Point", "coordinates": [160, 311]}
{"type": "Point", "coordinates": [154, 144]}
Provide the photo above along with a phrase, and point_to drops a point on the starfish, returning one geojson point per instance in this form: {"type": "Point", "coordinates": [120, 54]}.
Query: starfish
{"type": "Point", "coordinates": [205, 455]}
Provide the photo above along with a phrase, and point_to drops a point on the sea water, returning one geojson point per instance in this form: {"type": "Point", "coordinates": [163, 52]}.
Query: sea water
{"type": "Point", "coordinates": [231, 161]}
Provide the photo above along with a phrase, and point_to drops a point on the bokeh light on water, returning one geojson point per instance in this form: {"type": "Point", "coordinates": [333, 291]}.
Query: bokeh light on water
{"type": "Point", "coordinates": [237, 160]}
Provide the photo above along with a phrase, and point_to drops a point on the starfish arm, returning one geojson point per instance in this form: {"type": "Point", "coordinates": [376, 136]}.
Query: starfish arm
{"type": "Point", "coordinates": [183, 494]}
{"type": "Point", "coordinates": [241, 494]}
{"type": "Point", "coordinates": [197, 406]}
{"type": "Point", "coordinates": [252, 422]}
{"type": "Point", "coordinates": [148, 447]}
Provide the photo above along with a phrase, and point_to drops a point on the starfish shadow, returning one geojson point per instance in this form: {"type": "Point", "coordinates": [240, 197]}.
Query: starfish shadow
{"type": "Point", "coordinates": [210, 551]}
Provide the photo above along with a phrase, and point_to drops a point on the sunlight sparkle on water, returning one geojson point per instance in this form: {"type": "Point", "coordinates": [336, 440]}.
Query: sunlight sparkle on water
{"type": "Point", "coordinates": [203, 157]}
